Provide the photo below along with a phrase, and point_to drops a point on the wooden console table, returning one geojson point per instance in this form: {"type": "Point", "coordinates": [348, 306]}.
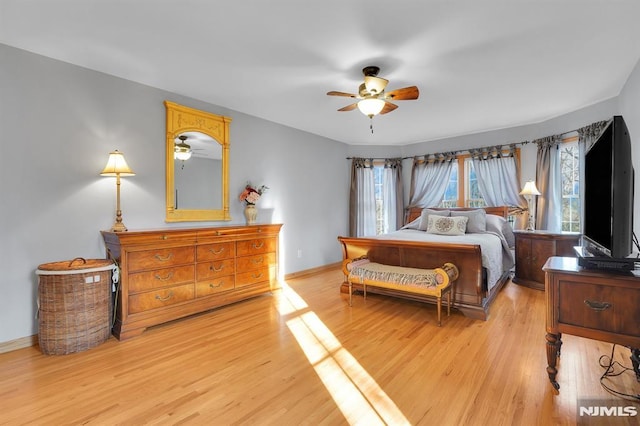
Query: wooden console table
{"type": "Point", "coordinates": [589, 303]}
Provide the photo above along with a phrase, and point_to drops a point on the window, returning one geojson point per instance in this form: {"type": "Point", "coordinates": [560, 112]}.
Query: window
{"type": "Point", "coordinates": [463, 181]}
{"type": "Point", "coordinates": [570, 181]}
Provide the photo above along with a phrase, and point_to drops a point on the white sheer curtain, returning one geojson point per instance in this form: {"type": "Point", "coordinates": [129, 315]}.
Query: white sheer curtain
{"type": "Point", "coordinates": [498, 176]}
{"type": "Point", "coordinates": [362, 203]}
{"type": "Point", "coordinates": [392, 195]}
{"type": "Point", "coordinates": [429, 179]}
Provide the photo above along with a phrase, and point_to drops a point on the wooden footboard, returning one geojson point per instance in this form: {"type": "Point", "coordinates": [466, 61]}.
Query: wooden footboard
{"type": "Point", "coordinates": [470, 289]}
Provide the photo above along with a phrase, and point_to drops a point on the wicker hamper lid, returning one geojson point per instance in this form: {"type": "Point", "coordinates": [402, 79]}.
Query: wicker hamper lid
{"type": "Point", "coordinates": [78, 265]}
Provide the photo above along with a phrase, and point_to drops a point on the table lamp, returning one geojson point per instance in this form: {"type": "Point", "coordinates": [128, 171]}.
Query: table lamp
{"type": "Point", "coordinates": [529, 191]}
{"type": "Point", "coordinates": [117, 166]}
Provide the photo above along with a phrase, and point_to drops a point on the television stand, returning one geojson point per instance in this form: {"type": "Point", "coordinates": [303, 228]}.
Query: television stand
{"type": "Point", "coordinates": [590, 261]}
{"type": "Point", "coordinates": [592, 304]}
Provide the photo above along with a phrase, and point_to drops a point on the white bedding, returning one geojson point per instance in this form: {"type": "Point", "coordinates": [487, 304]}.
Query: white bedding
{"type": "Point", "coordinates": [496, 255]}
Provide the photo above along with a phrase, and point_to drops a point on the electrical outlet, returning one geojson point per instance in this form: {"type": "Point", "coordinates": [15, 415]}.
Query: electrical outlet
{"type": "Point", "coordinates": [299, 253]}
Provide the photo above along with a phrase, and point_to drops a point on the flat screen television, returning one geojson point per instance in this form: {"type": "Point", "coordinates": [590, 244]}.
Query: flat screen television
{"type": "Point", "coordinates": [608, 193]}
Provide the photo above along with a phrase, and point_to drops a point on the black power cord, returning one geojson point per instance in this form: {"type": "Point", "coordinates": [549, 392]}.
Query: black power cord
{"type": "Point", "coordinates": [609, 371]}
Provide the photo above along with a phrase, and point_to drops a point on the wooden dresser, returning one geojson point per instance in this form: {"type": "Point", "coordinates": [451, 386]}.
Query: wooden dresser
{"type": "Point", "coordinates": [533, 248]}
{"type": "Point", "coordinates": [589, 303]}
{"type": "Point", "coordinates": [171, 273]}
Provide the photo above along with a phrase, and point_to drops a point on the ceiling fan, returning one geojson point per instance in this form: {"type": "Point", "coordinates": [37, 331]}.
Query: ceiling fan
{"type": "Point", "coordinates": [373, 99]}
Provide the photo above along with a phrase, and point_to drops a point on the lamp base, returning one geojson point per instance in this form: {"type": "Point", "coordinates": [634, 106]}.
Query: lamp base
{"type": "Point", "coordinates": [118, 226]}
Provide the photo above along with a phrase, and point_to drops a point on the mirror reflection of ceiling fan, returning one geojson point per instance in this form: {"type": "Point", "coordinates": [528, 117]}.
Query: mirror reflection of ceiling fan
{"type": "Point", "coordinates": [373, 99]}
{"type": "Point", "coordinates": [182, 150]}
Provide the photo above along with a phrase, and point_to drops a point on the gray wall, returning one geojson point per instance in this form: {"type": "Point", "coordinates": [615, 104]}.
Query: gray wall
{"type": "Point", "coordinates": [59, 122]}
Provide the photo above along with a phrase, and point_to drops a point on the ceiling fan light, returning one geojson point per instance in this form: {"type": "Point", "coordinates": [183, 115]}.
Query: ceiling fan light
{"type": "Point", "coordinates": [375, 85]}
{"type": "Point", "coordinates": [371, 106]}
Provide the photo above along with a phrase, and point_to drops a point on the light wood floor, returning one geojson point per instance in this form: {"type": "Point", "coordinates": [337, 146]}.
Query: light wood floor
{"type": "Point", "coordinates": [303, 356]}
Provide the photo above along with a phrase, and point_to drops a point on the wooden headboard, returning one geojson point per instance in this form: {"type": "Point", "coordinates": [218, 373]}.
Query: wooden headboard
{"type": "Point", "coordinates": [415, 212]}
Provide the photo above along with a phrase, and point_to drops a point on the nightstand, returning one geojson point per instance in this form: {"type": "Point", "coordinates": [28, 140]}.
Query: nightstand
{"type": "Point", "coordinates": [533, 248]}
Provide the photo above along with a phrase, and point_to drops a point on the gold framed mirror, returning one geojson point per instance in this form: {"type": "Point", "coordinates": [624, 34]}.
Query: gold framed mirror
{"type": "Point", "coordinates": [197, 165]}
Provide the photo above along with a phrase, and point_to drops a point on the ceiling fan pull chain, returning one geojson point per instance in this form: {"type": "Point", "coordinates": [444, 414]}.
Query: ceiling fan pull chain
{"type": "Point", "coordinates": [371, 124]}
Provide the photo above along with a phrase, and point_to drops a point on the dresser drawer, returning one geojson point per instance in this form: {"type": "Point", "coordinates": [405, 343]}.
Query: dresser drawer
{"type": "Point", "coordinates": [160, 258]}
{"type": "Point", "coordinates": [595, 306]}
{"type": "Point", "coordinates": [255, 246]}
{"type": "Point", "coordinates": [159, 278]}
{"type": "Point", "coordinates": [216, 251]}
{"type": "Point", "coordinates": [141, 302]}
{"type": "Point", "coordinates": [257, 261]}
{"type": "Point", "coordinates": [255, 276]}
{"type": "Point", "coordinates": [215, 285]}
{"type": "Point", "coordinates": [215, 269]}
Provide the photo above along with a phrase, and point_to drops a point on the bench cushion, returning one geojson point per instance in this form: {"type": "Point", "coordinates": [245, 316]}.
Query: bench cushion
{"type": "Point", "coordinates": [398, 275]}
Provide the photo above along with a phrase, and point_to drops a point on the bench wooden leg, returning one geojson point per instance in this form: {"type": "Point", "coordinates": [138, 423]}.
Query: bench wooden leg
{"type": "Point", "coordinates": [439, 301]}
{"type": "Point", "coordinates": [350, 292]}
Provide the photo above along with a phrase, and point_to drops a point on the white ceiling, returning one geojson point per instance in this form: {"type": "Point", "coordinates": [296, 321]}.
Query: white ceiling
{"type": "Point", "coordinates": [480, 64]}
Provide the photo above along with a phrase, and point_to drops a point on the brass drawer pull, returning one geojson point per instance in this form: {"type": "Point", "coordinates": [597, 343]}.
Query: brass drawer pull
{"type": "Point", "coordinates": [217, 251]}
{"type": "Point", "coordinates": [165, 258]}
{"type": "Point", "coordinates": [213, 268]}
{"type": "Point", "coordinates": [257, 276]}
{"type": "Point", "coordinates": [257, 246]}
{"type": "Point", "coordinates": [597, 306]}
{"type": "Point", "coordinates": [212, 285]}
{"type": "Point", "coordinates": [164, 299]}
{"type": "Point", "coordinates": [258, 260]}
{"type": "Point", "coordinates": [167, 278]}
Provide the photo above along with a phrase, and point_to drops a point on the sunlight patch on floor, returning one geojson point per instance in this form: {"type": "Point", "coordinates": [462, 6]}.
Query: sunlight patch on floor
{"type": "Point", "coordinates": [355, 392]}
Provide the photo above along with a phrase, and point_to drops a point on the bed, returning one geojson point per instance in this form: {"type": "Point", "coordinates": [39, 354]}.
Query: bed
{"type": "Point", "coordinates": [482, 253]}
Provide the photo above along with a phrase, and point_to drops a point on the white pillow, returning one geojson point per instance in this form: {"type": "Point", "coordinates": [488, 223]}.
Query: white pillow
{"type": "Point", "coordinates": [425, 215]}
{"type": "Point", "coordinates": [443, 225]}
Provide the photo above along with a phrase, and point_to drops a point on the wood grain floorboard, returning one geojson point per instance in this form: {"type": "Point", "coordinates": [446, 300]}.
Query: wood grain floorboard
{"type": "Point", "coordinates": [303, 356]}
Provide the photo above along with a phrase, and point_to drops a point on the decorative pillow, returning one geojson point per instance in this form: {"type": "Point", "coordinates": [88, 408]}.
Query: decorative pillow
{"type": "Point", "coordinates": [499, 225]}
{"type": "Point", "coordinates": [477, 219]}
{"type": "Point", "coordinates": [444, 225]}
{"type": "Point", "coordinates": [425, 215]}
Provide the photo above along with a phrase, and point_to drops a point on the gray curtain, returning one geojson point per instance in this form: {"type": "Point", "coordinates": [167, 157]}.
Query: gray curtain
{"type": "Point", "coordinates": [498, 175]}
{"type": "Point", "coordinates": [548, 208]}
{"type": "Point", "coordinates": [393, 195]}
{"type": "Point", "coordinates": [362, 202]}
{"type": "Point", "coordinates": [587, 135]}
{"type": "Point", "coordinates": [429, 179]}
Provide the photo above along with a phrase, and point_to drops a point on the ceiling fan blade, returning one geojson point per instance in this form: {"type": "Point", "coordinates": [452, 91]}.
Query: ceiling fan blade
{"type": "Point", "coordinates": [388, 107]}
{"type": "Point", "coordinates": [404, 94]}
{"type": "Point", "coordinates": [348, 95]}
{"type": "Point", "coordinates": [349, 107]}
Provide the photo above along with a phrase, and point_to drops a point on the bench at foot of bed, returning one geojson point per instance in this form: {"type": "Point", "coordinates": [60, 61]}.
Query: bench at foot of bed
{"type": "Point", "coordinates": [428, 282]}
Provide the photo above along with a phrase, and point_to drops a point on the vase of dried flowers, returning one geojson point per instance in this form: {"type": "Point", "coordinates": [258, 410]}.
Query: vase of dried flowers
{"type": "Point", "coordinates": [250, 196]}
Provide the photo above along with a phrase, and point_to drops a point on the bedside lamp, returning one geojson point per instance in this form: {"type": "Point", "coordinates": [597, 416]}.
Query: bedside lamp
{"type": "Point", "coordinates": [117, 166]}
{"type": "Point", "coordinates": [529, 191]}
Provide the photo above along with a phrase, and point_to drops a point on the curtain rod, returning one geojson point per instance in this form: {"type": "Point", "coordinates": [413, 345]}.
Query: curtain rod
{"type": "Point", "coordinates": [501, 145]}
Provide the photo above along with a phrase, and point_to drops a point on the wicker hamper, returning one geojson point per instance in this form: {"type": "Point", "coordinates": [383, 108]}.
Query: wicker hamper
{"type": "Point", "coordinates": [75, 305]}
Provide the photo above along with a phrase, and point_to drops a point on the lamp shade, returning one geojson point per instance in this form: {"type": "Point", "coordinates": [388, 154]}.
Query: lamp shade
{"type": "Point", "coordinates": [117, 166]}
{"type": "Point", "coordinates": [371, 106]}
{"type": "Point", "coordinates": [530, 189]}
